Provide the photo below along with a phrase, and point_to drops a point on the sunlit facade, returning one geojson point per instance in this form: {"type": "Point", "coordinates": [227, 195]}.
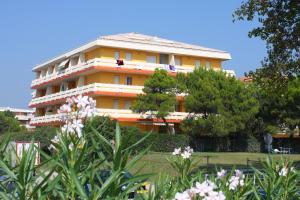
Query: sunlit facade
{"type": "Point", "coordinates": [113, 69]}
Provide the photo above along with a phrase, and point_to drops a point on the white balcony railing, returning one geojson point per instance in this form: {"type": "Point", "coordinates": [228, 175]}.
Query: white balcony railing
{"type": "Point", "coordinates": [107, 63]}
{"type": "Point", "coordinates": [95, 87]}
{"type": "Point", "coordinates": [114, 113]}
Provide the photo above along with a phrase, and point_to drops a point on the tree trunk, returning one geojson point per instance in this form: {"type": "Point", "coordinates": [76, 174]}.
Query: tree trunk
{"type": "Point", "coordinates": [167, 125]}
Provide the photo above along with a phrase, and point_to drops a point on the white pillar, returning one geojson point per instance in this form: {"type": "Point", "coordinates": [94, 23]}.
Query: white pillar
{"type": "Point", "coordinates": [81, 58]}
{"type": "Point", "coordinates": [55, 69]}
{"type": "Point", "coordinates": [49, 90]}
{"type": "Point", "coordinates": [81, 81]}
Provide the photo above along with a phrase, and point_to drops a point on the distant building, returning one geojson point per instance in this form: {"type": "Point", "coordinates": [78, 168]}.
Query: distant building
{"type": "Point", "coordinates": [23, 115]}
{"type": "Point", "coordinates": [230, 73]}
{"type": "Point", "coordinates": [246, 79]}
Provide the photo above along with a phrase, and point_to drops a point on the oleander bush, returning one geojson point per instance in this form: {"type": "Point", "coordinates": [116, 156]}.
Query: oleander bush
{"type": "Point", "coordinates": [85, 165]}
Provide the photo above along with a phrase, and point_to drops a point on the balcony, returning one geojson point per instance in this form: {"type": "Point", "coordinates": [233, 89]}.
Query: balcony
{"type": "Point", "coordinates": [95, 88]}
{"type": "Point", "coordinates": [119, 114]}
{"type": "Point", "coordinates": [109, 64]}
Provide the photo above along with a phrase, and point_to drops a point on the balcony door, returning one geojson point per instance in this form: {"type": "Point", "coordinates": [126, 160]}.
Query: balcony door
{"type": "Point", "coordinates": [164, 59]}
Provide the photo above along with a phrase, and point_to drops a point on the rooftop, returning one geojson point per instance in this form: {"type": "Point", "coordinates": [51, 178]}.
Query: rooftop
{"type": "Point", "coordinates": [154, 40]}
{"type": "Point", "coordinates": [2, 109]}
{"type": "Point", "coordinates": [143, 42]}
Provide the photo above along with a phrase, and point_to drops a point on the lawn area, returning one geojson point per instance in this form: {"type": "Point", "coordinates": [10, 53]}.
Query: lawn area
{"type": "Point", "coordinates": [155, 162]}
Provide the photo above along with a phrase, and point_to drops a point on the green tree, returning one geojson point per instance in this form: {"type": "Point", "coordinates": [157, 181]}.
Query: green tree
{"type": "Point", "coordinates": [8, 123]}
{"type": "Point", "coordinates": [219, 105]}
{"type": "Point", "coordinates": [280, 28]}
{"type": "Point", "coordinates": [281, 111]}
{"type": "Point", "coordinates": [159, 96]}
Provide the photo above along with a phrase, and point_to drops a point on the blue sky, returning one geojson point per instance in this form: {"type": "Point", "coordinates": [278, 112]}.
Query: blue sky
{"type": "Point", "coordinates": [33, 31]}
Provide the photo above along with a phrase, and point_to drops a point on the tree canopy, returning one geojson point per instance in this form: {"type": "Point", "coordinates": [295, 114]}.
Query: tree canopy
{"type": "Point", "coordinates": [281, 111]}
{"type": "Point", "coordinates": [8, 122]}
{"type": "Point", "coordinates": [219, 105]}
{"type": "Point", "coordinates": [280, 28]}
{"type": "Point", "coordinates": [159, 96]}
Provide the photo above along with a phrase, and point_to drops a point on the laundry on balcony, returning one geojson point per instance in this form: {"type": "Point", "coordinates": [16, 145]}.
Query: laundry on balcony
{"type": "Point", "coordinates": [172, 67]}
{"type": "Point", "coordinates": [120, 62]}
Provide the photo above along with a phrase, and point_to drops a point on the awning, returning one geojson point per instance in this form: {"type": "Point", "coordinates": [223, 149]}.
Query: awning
{"type": "Point", "coordinates": [63, 65]}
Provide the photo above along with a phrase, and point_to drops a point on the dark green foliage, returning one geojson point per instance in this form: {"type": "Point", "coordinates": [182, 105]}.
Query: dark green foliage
{"type": "Point", "coordinates": [8, 122]}
{"type": "Point", "coordinates": [279, 27]}
{"type": "Point", "coordinates": [159, 96]}
{"type": "Point", "coordinates": [102, 124]}
{"type": "Point", "coordinates": [220, 105]}
{"type": "Point", "coordinates": [234, 143]}
{"type": "Point", "coordinates": [160, 142]}
{"type": "Point", "coordinates": [281, 110]}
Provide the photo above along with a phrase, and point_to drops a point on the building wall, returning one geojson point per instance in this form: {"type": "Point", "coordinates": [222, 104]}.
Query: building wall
{"type": "Point", "coordinates": [107, 77]}
{"type": "Point", "coordinates": [140, 56]}
{"type": "Point", "coordinates": [108, 102]}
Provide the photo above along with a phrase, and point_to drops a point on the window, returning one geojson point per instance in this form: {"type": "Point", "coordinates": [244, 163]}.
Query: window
{"type": "Point", "coordinates": [177, 61]}
{"type": "Point", "coordinates": [116, 103]}
{"type": "Point", "coordinates": [38, 74]}
{"type": "Point", "coordinates": [163, 59]}
{"type": "Point", "coordinates": [50, 70]}
{"type": "Point", "coordinates": [116, 79]}
{"type": "Point", "coordinates": [128, 80]}
{"type": "Point", "coordinates": [128, 56]}
{"type": "Point", "coordinates": [208, 65]}
{"type": "Point", "coordinates": [151, 59]}
{"type": "Point", "coordinates": [74, 61]}
{"type": "Point", "coordinates": [117, 55]}
{"type": "Point", "coordinates": [197, 64]}
{"type": "Point", "coordinates": [127, 104]}
{"type": "Point", "coordinates": [63, 87]}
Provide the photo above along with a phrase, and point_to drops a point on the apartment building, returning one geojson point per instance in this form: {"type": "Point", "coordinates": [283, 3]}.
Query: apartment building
{"type": "Point", "coordinates": [113, 69]}
{"type": "Point", "coordinates": [22, 115]}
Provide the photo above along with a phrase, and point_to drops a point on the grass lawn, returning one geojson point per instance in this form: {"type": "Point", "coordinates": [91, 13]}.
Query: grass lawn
{"type": "Point", "coordinates": [155, 162]}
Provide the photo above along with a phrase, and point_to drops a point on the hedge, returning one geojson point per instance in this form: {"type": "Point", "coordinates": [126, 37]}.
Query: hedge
{"type": "Point", "coordinates": [159, 142]}
{"type": "Point", "coordinates": [234, 143]}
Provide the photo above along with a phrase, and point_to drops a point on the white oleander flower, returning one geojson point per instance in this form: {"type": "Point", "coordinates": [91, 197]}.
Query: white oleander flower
{"type": "Point", "coordinates": [71, 100]}
{"type": "Point", "coordinates": [87, 112]}
{"type": "Point", "coordinates": [67, 128]}
{"type": "Point", "coordinates": [177, 151]}
{"type": "Point", "coordinates": [214, 195]}
{"type": "Point", "coordinates": [202, 189]}
{"type": "Point", "coordinates": [55, 139]}
{"type": "Point", "coordinates": [238, 173]}
{"type": "Point", "coordinates": [186, 155]}
{"type": "Point", "coordinates": [189, 149]}
{"type": "Point", "coordinates": [182, 196]}
{"type": "Point", "coordinates": [283, 171]}
{"type": "Point", "coordinates": [71, 146]}
{"type": "Point", "coordinates": [236, 180]}
{"type": "Point", "coordinates": [293, 169]}
{"type": "Point", "coordinates": [77, 126]}
{"type": "Point", "coordinates": [221, 174]}
{"type": "Point", "coordinates": [82, 101]}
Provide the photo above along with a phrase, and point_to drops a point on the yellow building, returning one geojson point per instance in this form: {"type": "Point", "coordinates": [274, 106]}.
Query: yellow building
{"type": "Point", "coordinates": [92, 70]}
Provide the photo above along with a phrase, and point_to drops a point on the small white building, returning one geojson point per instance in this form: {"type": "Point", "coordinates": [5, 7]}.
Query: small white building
{"type": "Point", "coordinates": [23, 115]}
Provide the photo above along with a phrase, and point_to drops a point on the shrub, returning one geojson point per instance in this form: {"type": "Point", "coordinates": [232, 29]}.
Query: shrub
{"type": "Point", "coordinates": [160, 142]}
{"type": "Point", "coordinates": [8, 122]}
{"type": "Point", "coordinates": [233, 143]}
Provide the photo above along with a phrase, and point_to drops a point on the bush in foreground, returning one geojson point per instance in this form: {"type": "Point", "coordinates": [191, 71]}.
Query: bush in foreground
{"type": "Point", "coordinates": [79, 157]}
